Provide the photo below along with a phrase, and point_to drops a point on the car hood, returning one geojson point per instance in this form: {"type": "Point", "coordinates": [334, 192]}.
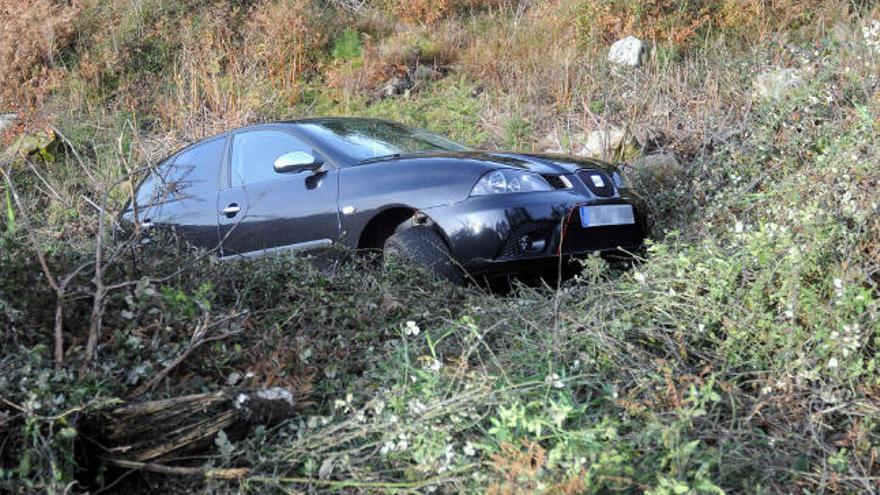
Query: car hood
{"type": "Point", "coordinates": [538, 163]}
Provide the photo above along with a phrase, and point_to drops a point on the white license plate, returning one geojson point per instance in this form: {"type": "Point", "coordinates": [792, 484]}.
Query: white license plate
{"type": "Point", "coordinates": [602, 215]}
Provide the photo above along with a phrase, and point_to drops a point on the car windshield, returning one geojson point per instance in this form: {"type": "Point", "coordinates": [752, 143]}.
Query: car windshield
{"type": "Point", "coordinates": [363, 139]}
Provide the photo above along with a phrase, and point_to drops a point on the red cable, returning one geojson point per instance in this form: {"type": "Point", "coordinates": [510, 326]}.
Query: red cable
{"type": "Point", "coordinates": [565, 229]}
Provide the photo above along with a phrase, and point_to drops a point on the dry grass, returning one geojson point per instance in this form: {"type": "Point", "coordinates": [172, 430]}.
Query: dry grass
{"type": "Point", "coordinates": [213, 85]}
{"type": "Point", "coordinates": [427, 12]}
{"type": "Point", "coordinates": [33, 33]}
{"type": "Point", "coordinates": [285, 37]}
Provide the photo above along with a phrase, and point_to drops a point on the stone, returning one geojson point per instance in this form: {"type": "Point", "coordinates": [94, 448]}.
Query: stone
{"type": "Point", "coordinates": [610, 143]}
{"type": "Point", "coordinates": [777, 83]}
{"type": "Point", "coordinates": [396, 86]}
{"type": "Point", "coordinates": [32, 142]}
{"type": "Point", "coordinates": [628, 51]}
{"type": "Point", "coordinates": [658, 169]}
{"type": "Point", "coordinates": [552, 143]}
{"type": "Point", "coordinates": [6, 120]}
{"type": "Point", "coordinates": [425, 73]}
{"type": "Point", "coordinates": [651, 140]}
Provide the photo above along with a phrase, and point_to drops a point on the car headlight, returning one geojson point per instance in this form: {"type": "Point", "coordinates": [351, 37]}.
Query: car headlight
{"type": "Point", "coordinates": [509, 181]}
{"type": "Point", "coordinates": [621, 181]}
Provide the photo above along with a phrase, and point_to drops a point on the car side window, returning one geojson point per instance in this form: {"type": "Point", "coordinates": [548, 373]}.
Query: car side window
{"type": "Point", "coordinates": [194, 171]}
{"type": "Point", "coordinates": [254, 154]}
{"type": "Point", "coordinates": [148, 193]}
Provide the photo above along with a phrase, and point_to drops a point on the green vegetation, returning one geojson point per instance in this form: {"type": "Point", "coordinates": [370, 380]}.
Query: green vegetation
{"type": "Point", "coordinates": [740, 355]}
{"type": "Point", "coordinates": [347, 46]}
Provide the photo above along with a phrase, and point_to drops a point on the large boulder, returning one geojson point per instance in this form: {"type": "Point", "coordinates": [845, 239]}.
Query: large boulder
{"type": "Point", "coordinates": [777, 83]}
{"type": "Point", "coordinates": [628, 51]}
{"type": "Point", "coordinates": [657, 170]}
{"type": "Point", "coordinates": [609, 143]}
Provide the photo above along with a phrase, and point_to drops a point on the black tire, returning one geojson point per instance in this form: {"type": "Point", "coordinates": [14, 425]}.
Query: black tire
{"type": "Point", "coordinates": [424, 247]}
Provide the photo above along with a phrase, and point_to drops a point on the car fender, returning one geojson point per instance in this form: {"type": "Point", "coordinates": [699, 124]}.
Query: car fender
{"type": "Point", "coordinates": [416, 184]}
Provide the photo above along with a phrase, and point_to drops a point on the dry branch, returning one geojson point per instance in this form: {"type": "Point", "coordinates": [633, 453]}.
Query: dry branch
{"type": "Point", "coordinates": [162, 429]}
{"type": "Point", "coordinates": [199, 337]}
{"type": "Point", "coordinates": [210, 473]}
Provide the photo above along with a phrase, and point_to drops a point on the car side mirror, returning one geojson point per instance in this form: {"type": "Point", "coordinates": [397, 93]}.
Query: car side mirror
{"type": "Point", "coordinates": [297, 161]}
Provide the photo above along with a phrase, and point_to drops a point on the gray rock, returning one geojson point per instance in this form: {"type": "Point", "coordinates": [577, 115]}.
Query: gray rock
{"type": "Point", "coordinates": [396, 86]}
{"type": "Point", "coordinates": [6, 120]}
{"type": "Point", "coordinates": [628, 51]}
{"type": "Point", "coordinates": [552, 143]}
{"type": "Point", "coordinates": [425, 73]}
{"type": "Point", "coordinates": [658, 169]}
{"type": "Point", "coordinates": [33, 142]}
{"type": "Point", "coordinates": [610, 143]}
{"type": "Point", "coordinates": [777, 83]}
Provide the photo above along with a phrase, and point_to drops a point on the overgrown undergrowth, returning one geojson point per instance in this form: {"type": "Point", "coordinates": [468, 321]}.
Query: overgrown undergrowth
{"type": "Point", "coordinates": [741, 355]}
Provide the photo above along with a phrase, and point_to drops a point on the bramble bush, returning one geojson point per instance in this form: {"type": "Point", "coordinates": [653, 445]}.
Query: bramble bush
{"type": "Point", "coordinates": [739, 355]}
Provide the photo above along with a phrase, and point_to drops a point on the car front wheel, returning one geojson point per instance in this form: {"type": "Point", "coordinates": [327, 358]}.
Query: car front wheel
{"type": "Point", "coordinates": [424, 247]}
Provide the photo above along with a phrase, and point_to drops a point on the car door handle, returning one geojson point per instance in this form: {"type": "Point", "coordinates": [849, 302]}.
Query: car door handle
{"type": "Point", "coordinates": [230, 211]}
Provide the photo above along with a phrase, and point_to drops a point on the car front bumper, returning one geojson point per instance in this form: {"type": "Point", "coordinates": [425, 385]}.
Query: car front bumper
{"type": "Point", "coordinates": [517, 232]}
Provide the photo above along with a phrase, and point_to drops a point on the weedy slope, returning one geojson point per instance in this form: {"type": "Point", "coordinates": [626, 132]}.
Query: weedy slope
{"type": "Point", "coordinates": [740, 355]}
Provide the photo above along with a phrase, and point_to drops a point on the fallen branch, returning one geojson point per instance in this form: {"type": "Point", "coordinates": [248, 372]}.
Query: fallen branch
{"type": "Point", "coordinates": [209, 473]}
{"type": "Point", "coordinates": [242, 473]}
{"type": "Point", "coordinates": [199, 337]}
{"type": "Point", "coordinates": [164, 429]}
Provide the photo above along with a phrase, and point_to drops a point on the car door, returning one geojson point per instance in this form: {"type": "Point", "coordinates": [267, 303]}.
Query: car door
{"type": "Point", "coordinates": [264, 210]}
{"type": "Point", "coordinates": [180, 195]}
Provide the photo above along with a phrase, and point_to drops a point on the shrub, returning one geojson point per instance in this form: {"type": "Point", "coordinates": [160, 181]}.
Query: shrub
{"type": "Point", "coordinates": [347, 46]}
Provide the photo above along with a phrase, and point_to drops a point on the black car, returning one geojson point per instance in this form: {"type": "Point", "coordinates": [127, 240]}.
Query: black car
{"type": "Point", "coordinates": [370, 184]}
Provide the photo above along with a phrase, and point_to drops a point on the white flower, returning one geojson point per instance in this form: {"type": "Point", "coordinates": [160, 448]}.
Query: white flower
{"type": "Point", "coordinates": [738, 227]}
{"type": "Point", "coordinates": [411, 328]}
{"type": "Point", "coordinates": [378, 406]}
{"type": "Point", "coordinates": [832, 363]}
{"type": "Point", "coordinates": [387, 447]}
{"type": "Point", "coordinates": [469, 449]}
{"type": "Point", "coordinates": [639, 277]}
{"type": "Point", "coordinates": [554, 380]}
{"type": "Point", "coordinates": [416, 407]}
{"type": "Point", "coordinates": [449, 453]}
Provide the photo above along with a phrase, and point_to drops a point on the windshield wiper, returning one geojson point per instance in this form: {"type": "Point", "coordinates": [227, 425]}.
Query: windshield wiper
{"type": "Point", "coordinates": [392, 156]}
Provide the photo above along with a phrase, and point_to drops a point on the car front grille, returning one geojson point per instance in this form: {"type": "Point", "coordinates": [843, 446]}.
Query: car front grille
{"type": "Point", "coordinates": [557, 181]}
{"type": "Point", "coordinates": [598, 182]}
